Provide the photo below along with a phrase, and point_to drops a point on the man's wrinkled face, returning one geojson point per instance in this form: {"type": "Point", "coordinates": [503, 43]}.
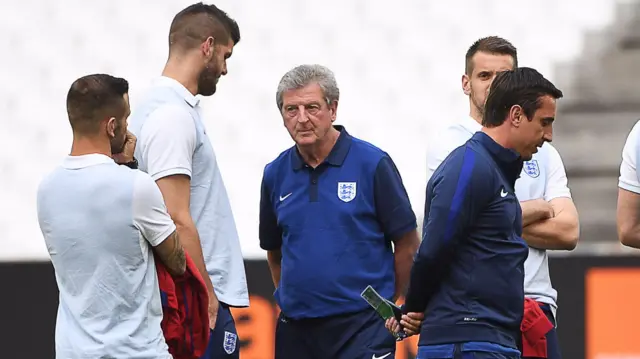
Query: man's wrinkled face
{"type": "Point", "coordinates": [307, 115]}
{"type": "Point", "coordinates": [485, 68]}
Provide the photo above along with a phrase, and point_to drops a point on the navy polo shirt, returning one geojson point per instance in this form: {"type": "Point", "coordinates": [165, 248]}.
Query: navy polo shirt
{"type": "Point", "coordinates": [334, 225]}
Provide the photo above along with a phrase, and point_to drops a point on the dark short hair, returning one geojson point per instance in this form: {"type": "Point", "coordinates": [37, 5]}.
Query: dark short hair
{"type": "Point", "coordinates": [523, 86]}
{"type": "Point", "coordinates": [92, 98]}
{"type": "Point", "coordinates": [193, 25]}
{"type": "Point", "coordinates": [492, 45]}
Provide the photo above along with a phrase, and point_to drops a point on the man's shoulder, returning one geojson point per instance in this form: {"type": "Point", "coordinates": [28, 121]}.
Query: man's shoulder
{"type": "Point", "coordinates": [164, 109]}
{"type": "Point", "coordinates": [467, 158]}
{"type": "Point", "coordinates": [282, 160]}
{"type": "Point", "coordinates": [449, 138]}
{"type": "Point", "coordinates": [367, 153]}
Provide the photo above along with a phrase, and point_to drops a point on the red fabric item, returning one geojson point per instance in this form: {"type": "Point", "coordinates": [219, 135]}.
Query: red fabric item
{"type": "Point", "coordinates": [185, 303]}
{"type": "Point", "coordinates": [534, 327]}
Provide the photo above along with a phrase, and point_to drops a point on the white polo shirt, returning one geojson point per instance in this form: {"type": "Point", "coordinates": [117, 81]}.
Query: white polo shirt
{"type": "Point", "coordinates": [100, 221]}
{"type": "Point", "coordinates": [543, 177]}
{"type": "Point", "coordinates": [172, 140]}
{"type": "Point", "coordinates": [629, 177]}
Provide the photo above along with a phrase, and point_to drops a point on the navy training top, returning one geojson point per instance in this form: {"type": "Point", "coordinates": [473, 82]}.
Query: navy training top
{"type": "Point", "coordinates": [469, 271]}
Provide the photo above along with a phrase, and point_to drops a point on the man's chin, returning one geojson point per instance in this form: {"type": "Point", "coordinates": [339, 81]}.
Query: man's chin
{"type": "Point", "coordinates": [207, 92]}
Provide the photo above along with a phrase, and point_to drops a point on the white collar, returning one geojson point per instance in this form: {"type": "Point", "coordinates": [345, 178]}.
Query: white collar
{"type": "Point", "coordinates": [192, 100]}
{"type": "Point", "coordinates": [470, 125]}
{"type": "Point", "coordinates": [78, 162]}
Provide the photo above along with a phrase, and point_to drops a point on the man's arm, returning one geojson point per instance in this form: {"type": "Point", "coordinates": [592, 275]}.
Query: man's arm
{"type": "Point", "coordinates": [274, 260]}
{"type": "Point", "coordinates": [628, 208]}
{"type": "Point", "coordinates": [535, 210]}
{"type": "Point", "coordinates": [167, 143]}
{"type": "Point", "coordinates": [397, 220]}
{"type": "Point", "coordinates": [455, 196]}
{"type": "Point", "coordinates": [176, 190]}
{"type": "Point", "coordinates": [628, 218]}
{"type": "Point", "coordinates": [558, 233]}
{"type": "Point", "coordinates": [558, 228]}
{"type": "Point", "coordinates": [152, 220]}
{"type": "Point", "coordinates": [270, 233]}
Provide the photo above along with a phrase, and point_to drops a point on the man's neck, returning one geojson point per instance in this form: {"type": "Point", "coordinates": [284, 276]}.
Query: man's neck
{"type": "Point", "coordinates": [499, 135]}
{"type": "Point", "coordinates": [315, 154]}
{"type": "Point", "coordinates": [475, 114]}
{"type": "Point", "coordinates": [181, 70]}
{"type": "Point", "coordinates": [83, 145]}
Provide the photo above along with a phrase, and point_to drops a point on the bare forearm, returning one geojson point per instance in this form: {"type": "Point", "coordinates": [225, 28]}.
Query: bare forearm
{"type": "Point", "coordinates": [274, 259]}
{"type": "Point", "coordinates": [403, 264]}
{"type": "Point", "coordinates": [558, 233]}
{"type": "Point", "coordinates": [191, 244]}
{"type": "Point", "coordinates": [404, 251]}
{"type": "Point", "coordinates": [534, 211]}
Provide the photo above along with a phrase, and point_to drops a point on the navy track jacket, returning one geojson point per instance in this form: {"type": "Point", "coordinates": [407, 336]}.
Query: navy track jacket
{"type": "Point", "coordinates": [468, 274]}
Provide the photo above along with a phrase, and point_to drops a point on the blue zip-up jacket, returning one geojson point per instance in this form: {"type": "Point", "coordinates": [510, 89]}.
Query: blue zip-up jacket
{"type": "Point", "coordinates": [468, 274]}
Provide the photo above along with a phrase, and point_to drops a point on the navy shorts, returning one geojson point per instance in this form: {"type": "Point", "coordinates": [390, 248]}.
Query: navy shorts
{"type": "Point", "coordinates": [223, 340]}
{"type": "Point", "coordinates": [553, 346]}
{"type": "Point", "coordinates": [471, 350]}
{"type": "Point", "coordinates": [360, 335]}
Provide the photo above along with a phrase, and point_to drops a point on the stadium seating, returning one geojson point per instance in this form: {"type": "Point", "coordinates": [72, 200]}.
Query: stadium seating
{"type": "Point", "coordinates": [398, 64]}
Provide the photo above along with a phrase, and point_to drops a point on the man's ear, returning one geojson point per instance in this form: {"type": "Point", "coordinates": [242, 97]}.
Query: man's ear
{"type": "Point", "coordinates": [333, 107]}
{"type": "Point", "coordinates": [516, 115]}
{"type": "Point", "coordinates": [466, 84]}
{"type": "Point", "coordinates": [208, 47]}
{"type": "Point", "coordinates": [111, 127]}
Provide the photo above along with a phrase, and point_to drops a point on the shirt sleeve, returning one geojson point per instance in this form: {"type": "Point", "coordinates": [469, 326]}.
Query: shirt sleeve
{"type": "Point", "coordinates": [628, 168]}
{"type": "Point", "coordinates": [556, 186]}
{"type": "Point", "coordinates": [150, 214]}
{"type": "Point", "coordinates": [436, 155]}
{"type": "Point", "coordinates": [393, 207]}
{"type": "Point", "coordinates": [269, 232]}
{"type": "Point", "coordinates": [168, 142]}
{"type": "Point", "coordinates": [454, 198]}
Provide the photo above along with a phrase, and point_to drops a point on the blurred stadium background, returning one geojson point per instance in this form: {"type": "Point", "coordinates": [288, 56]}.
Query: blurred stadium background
{"type": "Point", "coordinates": [398, 65]}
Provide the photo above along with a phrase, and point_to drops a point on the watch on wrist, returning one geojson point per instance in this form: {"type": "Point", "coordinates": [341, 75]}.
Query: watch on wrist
{"type": "Point", "coordinates": [132, 164]}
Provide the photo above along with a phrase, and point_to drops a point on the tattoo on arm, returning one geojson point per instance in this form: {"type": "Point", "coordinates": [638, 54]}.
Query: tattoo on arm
{"type": "Point", "coordinates": [177, 256]}
{"type": "Point", "coordinates": [172, 255]}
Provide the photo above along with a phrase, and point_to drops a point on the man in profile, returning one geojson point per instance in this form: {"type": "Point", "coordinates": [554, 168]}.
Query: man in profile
{"type": "Point", "coordinates": [468, 276]}
{"type": "Point", "coordinates": [102, 224]}
{"type": "Point", "coordinates": [549, 216]}
{"type": "Point", "coordinates": [173, 147]}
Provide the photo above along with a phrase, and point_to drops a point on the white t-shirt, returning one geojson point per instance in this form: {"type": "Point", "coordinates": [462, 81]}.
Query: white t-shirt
{"type": "Point", "coordinates": [544, 176]}
{"type": "Point", "coordinates": [172, 140]}
{"type": "Point", "coordinates": [100, 222]}
{"type": "Point", "coordinates": [628, 168]}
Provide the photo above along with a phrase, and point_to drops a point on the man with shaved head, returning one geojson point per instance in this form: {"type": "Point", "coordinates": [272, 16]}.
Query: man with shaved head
{"type": "Point", "coordinates": [174, 149]}
{"type": "Point", "coordinates": [103, 224]}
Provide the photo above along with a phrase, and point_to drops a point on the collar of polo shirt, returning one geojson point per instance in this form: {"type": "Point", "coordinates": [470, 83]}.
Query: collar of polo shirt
{"type": "Point", "coordinates": [471, 125]}
{"type": "Point", "coordinates": [176, 86]}
{"type": "Point", "coordinates": [92, 159]}
{"type": "Point", "coordinates": [336, 156]}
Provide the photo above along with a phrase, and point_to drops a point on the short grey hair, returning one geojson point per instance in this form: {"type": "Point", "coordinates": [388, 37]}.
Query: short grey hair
{"type": "Point", "coordinates": [304, 75]}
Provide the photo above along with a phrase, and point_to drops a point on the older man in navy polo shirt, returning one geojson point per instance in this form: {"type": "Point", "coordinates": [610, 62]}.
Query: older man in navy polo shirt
{"type": "Point", "coordinates": [334, 218]}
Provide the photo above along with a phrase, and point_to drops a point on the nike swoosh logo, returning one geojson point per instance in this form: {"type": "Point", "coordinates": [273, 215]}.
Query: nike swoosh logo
{"type": "Point", "coordinates": [380, 357]}
{"type": "Point", "coordinates": [285, 197]}
{"type": "Point", "coordinates": [503, 193]}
